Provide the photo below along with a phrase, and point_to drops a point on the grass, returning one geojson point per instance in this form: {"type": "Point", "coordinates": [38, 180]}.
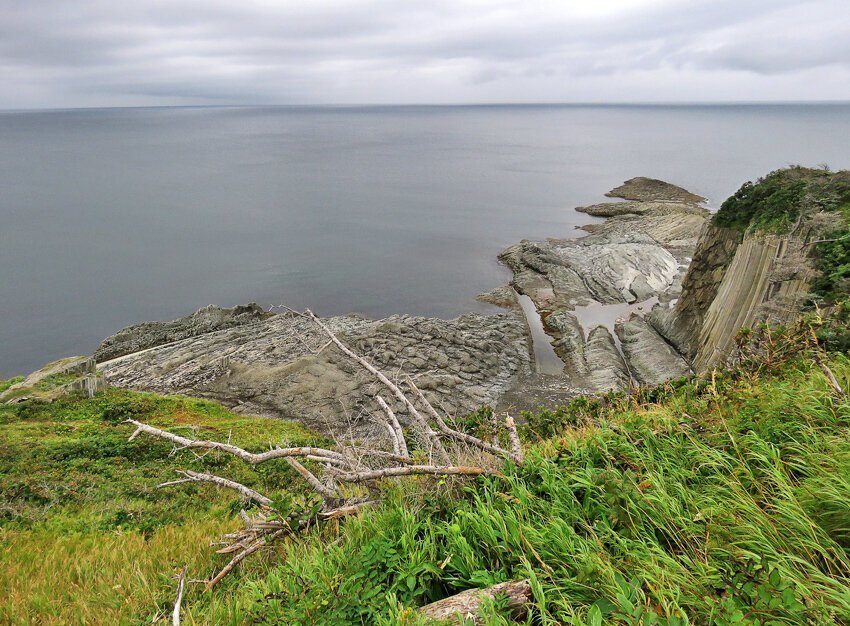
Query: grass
{"type": "Point", "coordinates": [723, 500]}
{"type": "Point", "coordinates": [84, 535]}
{"type": "Point", "coordinates": [714, 504]}
{"type": "Point", "coordinates": [5, 384]}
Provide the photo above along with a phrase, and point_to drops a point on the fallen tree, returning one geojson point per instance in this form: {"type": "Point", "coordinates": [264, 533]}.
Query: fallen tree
{"type": "Point", "coordinates": [335, 474]}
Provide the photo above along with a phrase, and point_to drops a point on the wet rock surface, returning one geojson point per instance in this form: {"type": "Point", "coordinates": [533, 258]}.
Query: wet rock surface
{"type": "Point", "coordinates": [640, 253]}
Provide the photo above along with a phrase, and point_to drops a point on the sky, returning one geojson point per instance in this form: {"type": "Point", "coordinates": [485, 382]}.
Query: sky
{"type": "Point", "coordinates": [93, 53]}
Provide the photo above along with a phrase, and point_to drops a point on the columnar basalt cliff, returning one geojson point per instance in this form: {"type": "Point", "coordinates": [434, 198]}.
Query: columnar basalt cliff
{"type": "Point", "coordinates": [756, 261]}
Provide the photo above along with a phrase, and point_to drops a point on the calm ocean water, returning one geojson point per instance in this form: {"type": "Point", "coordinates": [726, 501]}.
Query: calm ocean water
{"type": "Point", "coordinates": [115, 216]}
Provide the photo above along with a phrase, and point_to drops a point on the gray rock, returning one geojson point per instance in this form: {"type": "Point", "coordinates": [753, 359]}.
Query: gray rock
{"type": "Point", "coordinates": [151, 334]}
{"type": "Point", "coordinates": [276, 366]}
{"type": "Point", "coordinates": [651, 359]}
{"type": "Point", "coordinates": [651, 189]}
{"type": "Point", "coordinates": [56, 379]}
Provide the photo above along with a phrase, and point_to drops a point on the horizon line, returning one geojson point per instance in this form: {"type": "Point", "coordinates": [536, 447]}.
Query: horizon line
{"type": "Point", "coordinates": [376, 105]}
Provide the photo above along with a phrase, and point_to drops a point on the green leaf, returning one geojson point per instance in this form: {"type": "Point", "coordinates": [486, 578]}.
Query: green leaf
{"type": "Point", "coordinates": [594, 616]}
{"type": "Point", "coordinates": [775, 578]}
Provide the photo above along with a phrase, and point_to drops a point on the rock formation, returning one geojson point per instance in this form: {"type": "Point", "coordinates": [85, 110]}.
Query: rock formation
{"type": "Point", "coordinates": [623, 304]}
{"type": "Point", "coordinates": [280, 366]}
{"type": "Point", "coordinates": [755, 262]}
{"type": "Point", "coordinates": [56, 379]}
{"type": "Point", "coordinates": [639, 254]}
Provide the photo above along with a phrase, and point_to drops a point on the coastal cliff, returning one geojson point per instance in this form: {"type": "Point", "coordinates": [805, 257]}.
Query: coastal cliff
{"type": "Point", "coordinates": [756, 261]}
{"type": "Point", "coordinates": [656, 289]}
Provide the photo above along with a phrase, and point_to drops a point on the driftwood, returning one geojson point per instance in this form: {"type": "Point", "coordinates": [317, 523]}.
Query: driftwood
{"type": "Point", "coordinates": [465, 605]}
{"type": "Point", "coordinates": [442, 450]}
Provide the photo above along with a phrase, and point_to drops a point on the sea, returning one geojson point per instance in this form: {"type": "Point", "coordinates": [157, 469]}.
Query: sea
{"type": "Point", "coordinates": [110, 217]}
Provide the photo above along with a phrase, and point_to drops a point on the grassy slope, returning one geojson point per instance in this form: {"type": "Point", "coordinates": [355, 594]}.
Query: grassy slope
{"type": "Point", "coordinates": [707, 501]}
{"type": "Point", "coordinates": [84, 535]}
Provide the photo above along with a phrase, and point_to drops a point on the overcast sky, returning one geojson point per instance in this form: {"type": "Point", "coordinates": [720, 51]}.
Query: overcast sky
{"type": "Point", "coordinates": [70, 53]}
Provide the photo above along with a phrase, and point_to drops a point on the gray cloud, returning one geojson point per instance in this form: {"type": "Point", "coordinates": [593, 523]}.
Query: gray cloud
{"type": "Point", "coordinates": [102, 52]}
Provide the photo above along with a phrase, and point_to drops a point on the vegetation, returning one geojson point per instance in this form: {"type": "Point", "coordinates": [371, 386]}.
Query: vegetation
{"type": "Point", "coordinates": [85, 536]}
{"type": "Point", "coordinates": [774, 202]}
{"type": "Point", "coordinates": [708, 500]}
{"type": "Point", "coordinates": [5, 384]}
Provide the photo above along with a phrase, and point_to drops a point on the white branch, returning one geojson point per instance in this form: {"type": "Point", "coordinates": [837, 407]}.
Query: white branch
{"type": "Point", "coordinates": [250, 457]}
{"type": "Point", "coordinates": [181, 582]}
{"type": "Point", "coordinates": [396, 426]}
{"type": "Point", "coordinates": [513, 436]}
{"type": "Point", "coordinates": [247, 492]}
{"type": "Point", "coordinates": [410, 470]}
{"type": "Point", "coordinates": [457, 435]}
{"type": "Point", "coordinates": [433, 439]}
{"type": "Point", "coordinates": [315, 483]}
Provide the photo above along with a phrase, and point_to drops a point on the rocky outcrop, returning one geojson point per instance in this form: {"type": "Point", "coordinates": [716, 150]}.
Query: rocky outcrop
{"type": "Point", "coordinates": [757, 268]}
{"type": "Point", "coordinates": [731, 291]}
{"type": "Point", "coordinates": [56, 379]}
{"type": "Point", "coordinates": [281, 366]}
{"type": "Point", "coordinates": [651, 359]}
{"type": "Point", "coordinates": [638, 254]}
{"type": "Point", "coordinates": [651, 189]}
{"type": "Point", "coordinates": [150, 334]}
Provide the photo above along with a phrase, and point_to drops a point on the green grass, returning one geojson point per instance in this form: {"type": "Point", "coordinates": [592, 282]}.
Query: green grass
{"type": "Point", "coordinates": [723, 500]}
{"type": "Point", "coordinates": [724, 503]}
{"type": "Point", "coordinates": [85, 536]}
{"type": "Point", "coordinates": [5, 384]}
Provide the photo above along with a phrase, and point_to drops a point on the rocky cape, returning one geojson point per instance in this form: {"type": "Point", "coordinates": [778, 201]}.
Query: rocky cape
{"type": "Point", "coordinates": [654, 290]}
{"type": "Point", "coordinates": [279, 364]}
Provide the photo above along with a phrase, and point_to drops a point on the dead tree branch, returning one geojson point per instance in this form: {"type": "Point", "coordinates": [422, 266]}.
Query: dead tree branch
{"type": "Point", "coordinates": [250, 457]}
{"type": "Point", "coordinates": [248, 493]}
{"type": "Point", "coordinates": [314, 482]}
{"type": "Point", "coordinates": [433, 439]}
{"type": "Point", "coordinates": [181, 583]}
{"type": "Point", "coordinates": [347, 464]}
{"type": "Point", "coordinates": [411, 470]}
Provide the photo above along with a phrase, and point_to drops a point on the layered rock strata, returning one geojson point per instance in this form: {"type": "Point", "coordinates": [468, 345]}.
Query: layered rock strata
{"type": "Point", "coordinates": [638, 254]}
{"type": "Point", "coordinates": [281, 365]}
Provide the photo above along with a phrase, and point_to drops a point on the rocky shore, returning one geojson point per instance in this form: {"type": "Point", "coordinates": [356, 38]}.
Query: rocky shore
{"type": "Point", "coordinates": [593, 293]}
{"type": "Point", "coordinates": [599, 312]}
{"type": "Point", "coordinates": [278, 364]}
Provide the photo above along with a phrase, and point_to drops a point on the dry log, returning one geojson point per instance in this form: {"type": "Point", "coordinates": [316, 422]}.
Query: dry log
{"type": "Point", "coordinates": [250, 457]}
{"type": "Point", "coordinates": [513, 436]}
{"type": "Point", "coordinates": [464, 606]}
